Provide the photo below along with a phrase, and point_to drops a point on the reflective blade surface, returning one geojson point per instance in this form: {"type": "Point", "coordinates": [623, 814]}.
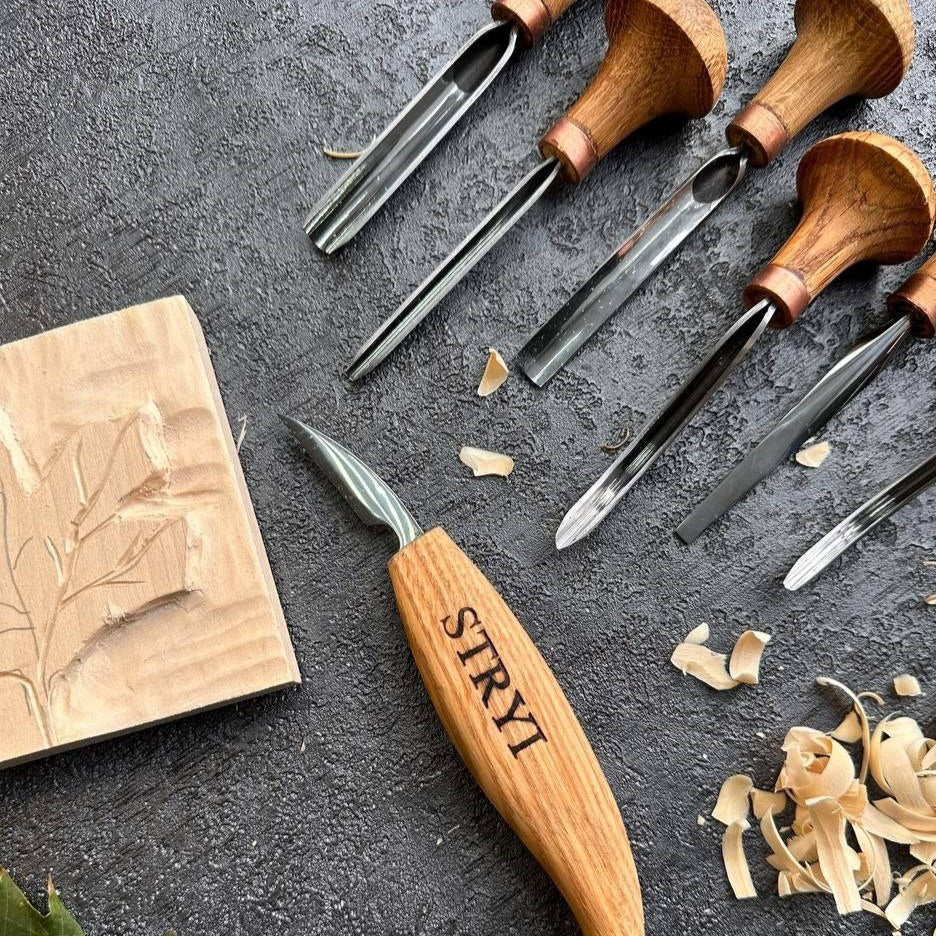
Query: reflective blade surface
{"type": "Point", "coordinates": [861, 522]}
{"type": "Point", "coordinates": [851, 375]}
{"type": "Point", "coordinates": [395, 154]}
{"type": "Point", "coordinates": [625, 271]}
{"type": "Point", "coordinates": [454, 268]}
{"type": "Point", "coordinates": [611, 487]}
{"type": "Point", "coordinates": [369, 497]}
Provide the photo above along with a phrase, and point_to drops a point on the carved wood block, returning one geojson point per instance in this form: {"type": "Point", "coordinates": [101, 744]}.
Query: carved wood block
{"type": "Point", "coordinates": [134, 586]}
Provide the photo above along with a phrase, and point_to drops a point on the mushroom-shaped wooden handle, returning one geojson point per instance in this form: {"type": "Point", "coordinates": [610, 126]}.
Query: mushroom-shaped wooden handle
{"type": "Point", "coordinates": [843, 48]}
{"type": "Point", "coordinates": [514, 728]}
{"type": "Point", "coordinates": [917, 298]}
{"type": "Point", "coordinates": [865, 197]}
{"type": "Point", "coordinates": [664, 57]}
{"type": "Point", "coordinates": [533, 17]}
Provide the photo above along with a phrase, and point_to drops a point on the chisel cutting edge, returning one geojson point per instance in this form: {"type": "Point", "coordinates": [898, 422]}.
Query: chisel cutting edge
{"type": "Point", "coordinates": [378, 172]}
{"type": "Point", "coordinates": [500, 704]}
{"type": "Point", "coordinates": [664, 57]}
{"type": "Point", "coordinates": [866, 197]}
{"type": "Point", "coordinates": [915, 306]}
{"type": "Point", "coordinates": [860, 523]}
{"type": "Point", "coordinates": [843, 48]}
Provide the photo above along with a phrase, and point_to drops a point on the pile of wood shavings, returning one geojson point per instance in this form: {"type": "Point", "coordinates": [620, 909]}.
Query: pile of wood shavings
{"type": "Point", "coordinates": [837, 841]}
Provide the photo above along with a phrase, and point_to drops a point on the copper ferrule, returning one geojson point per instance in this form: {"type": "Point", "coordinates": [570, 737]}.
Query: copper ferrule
{"type": "Point", "coordinates": [761, 131]}
{"type": "Point", "coordinates": [532, 16]}
{"type": "Point", "coordinates": [917, 298]}
{"type": "Point", "coordinates": [784, 288]}
{"type": "Point", "coordinates": [572, 146]}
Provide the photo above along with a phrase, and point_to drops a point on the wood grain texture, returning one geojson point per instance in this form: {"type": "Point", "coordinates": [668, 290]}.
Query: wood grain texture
{"type": "Point", "coordinates": [534, 17]}
{"type": "Point", "coordinates": [664, 57]}
{"type": "Point", "coordinates": [843, 48]}
{"type": "Point", "coordinates": [514, 728]}
{"type": "Point", "coordinates": [917, 298]}
{"type": "Point", "coordinates": [134, 586]}
{"type": "Point", "coordinates": [866, 198]}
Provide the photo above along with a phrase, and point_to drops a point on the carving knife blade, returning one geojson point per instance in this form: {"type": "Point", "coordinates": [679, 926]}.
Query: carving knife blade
{"type": "Point", "coordinates": [500, 704]}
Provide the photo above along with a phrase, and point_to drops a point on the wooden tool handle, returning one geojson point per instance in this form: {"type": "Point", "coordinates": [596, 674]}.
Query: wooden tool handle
{"type": "Point", "coordinates": [843, 48]}
{"type": "Point", "coordinates": [664, 57]}
{"type": "Point", "coordinates": [514, 728]}
{"type": "Point", "coordinates": [533, 17]}
{"type": "Point", "coordinates": [917, 298]}
{"type": "Point", "coordinates": [866, 197]}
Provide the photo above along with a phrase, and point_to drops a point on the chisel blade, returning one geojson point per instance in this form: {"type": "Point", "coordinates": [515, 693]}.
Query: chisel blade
{"type": "Point", "coordinates": [602, 497]}
{"type": "Point", "coordinates": [860, 523]}
{"type": "Point", "coordinates": [395, 154]}
{"type": "Point", "coordinates": [456, 266]}
{"type": "Point", "coordinates": [854, 372]}
{"type": "Point", "coordinates": [630, 266]}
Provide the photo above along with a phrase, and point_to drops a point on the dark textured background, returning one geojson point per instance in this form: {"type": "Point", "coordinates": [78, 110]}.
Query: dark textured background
{"type": "Point", "coordinates": [162, 147]}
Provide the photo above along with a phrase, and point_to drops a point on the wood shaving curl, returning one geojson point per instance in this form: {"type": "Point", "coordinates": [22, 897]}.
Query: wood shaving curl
{"type": "Point", "coordinates": [483, 463]}
{"type": "Point", "coordinates": [495, 373]}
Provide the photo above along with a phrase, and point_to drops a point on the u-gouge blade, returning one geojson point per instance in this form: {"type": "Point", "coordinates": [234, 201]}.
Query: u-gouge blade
{"type": "Point", "coordinates": [611, 487]}
{"type": "Point", "coordinates": [630, 266]}
{"type": "Point", "coordinates": [860, 523]}
{"type": "Point", "coordinates": [851, 375]}
{"type": "Point", "coordinates": [396, 153]}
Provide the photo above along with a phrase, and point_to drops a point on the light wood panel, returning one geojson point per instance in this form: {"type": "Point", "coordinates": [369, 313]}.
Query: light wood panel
{"type": "Point", "coordinates": [134, 586]}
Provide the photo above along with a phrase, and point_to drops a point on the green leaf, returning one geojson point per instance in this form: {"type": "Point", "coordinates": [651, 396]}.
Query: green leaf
{"type": "Point", "coordinates": [18, 918]}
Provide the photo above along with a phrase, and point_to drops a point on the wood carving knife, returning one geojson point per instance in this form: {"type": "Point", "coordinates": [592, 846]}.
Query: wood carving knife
{"type": "Point", "coordinates": [915, 306]}
{"type": "Point", "coordinates": [664, 57]}
{"type": "Point", "coordinates": [379, 171]}
{"type": "Point", "coordinates": [843, 48]}
{"type": "Point", "coordinates": [866, 197]}
{"type": "Point", "coordinates": [500, 704]}
{"type": "Point", "coordinates": [862, 522]}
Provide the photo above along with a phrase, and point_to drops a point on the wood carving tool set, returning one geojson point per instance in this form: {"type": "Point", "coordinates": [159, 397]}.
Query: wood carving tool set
{"type": "Point", "coordinates": [866, 197]}
{"type": "Point", "coordinates": [126, 481]}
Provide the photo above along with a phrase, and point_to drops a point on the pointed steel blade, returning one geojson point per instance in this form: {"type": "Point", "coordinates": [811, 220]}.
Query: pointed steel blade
{"type": "Point", "coordinates": [635, 261]}
{"type": "Point", "coordinates": [848, 378]}
{"type": "Point", "coordinates": [861, 522]}
{"type": "Point", "coordinates": [369, 496]}
{"type": "Point", "coordinates": [602, 497]}
{"type": "Point", "coordinates": [454, 268]}
{"type": "Point", "coordinates": [394, 155]}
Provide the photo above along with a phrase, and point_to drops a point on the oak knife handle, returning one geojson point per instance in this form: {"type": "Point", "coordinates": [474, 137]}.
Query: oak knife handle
{"type": "Point", "coordinates": [866, 198]}
{"type": "Point", "coordinates": [664, 57]}
{"type": "Point", "coordinates": [516, 732]}
{"type": "Point", "coordinates": [917, 298]}
{"type": "Point", "coordinates": [843, 48]}
{"type": "Point", "coordinates": [533, 17]}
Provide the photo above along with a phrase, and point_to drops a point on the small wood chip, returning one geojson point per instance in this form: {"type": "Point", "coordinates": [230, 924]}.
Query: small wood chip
{"type": "Point", "coordinates": [931, 600]}
{"type": "Point", "coordinates": [736, 866]}
{"type": "Point", "coordinates": [733, 805]}
{"type": "Point", "coordinates": [744, 666]}
{"type": "Point", "coordinates": [613, 447]}
{"type": "Point", "coordinates": [701, 821]}
{"type": "Point", "coordinates": [907, 686]}
{"type": "Point", "coordinates": [338, 154]}
{"type": "Point", "coordinates": [483, 463]}
{"type": "Point", "coordinates": [703, 664]}
{"type": "Point", "coordinates": [700, 635]}
{"type": "Point", "coordinates": [495, 373]}
{"type": "Point", "coordinates": [814, 455]}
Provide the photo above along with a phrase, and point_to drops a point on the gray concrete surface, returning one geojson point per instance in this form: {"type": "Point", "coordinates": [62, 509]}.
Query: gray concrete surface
{"type": "Point", "coordinates": [162, 147]}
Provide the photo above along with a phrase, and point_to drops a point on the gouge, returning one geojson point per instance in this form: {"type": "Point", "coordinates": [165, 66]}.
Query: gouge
{"type": "Point", "coordinates": [861, 522]}
{"type": "Point", "coordinates": [394, 155]}
{"type": "Point", "coordinates": [865, 197]}
{"type": "Point", "coordinates": [843, 48]}
{"type": "Point", "coordinates": [500, 704]}
{"type": "Point", "coordinates": [915, 305]}
{"type": "Point", "coordinates": [664, 57]}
